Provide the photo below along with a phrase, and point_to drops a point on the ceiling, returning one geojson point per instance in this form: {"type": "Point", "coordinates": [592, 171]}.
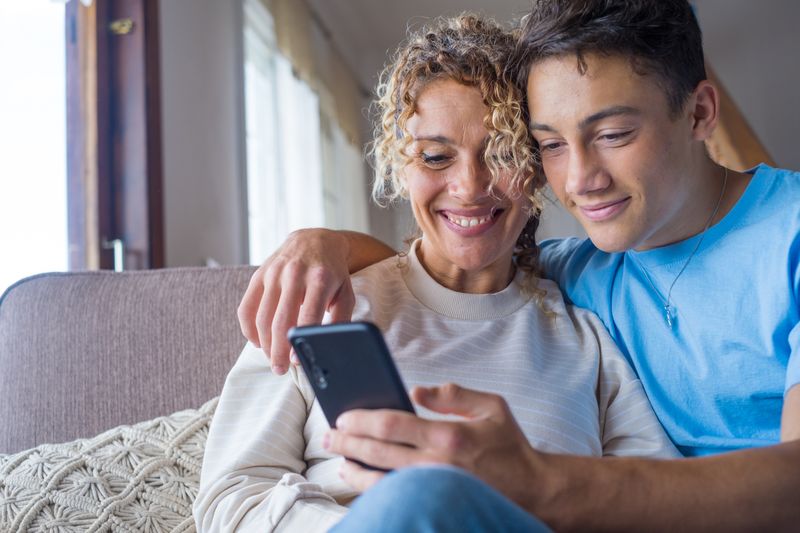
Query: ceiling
{"type": "Point", "coordinates": [365, 32]}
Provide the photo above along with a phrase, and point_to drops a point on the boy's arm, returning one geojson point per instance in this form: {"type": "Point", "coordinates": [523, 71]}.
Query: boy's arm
{"type": "Point", "coordinates": [307, 275]}
{"type": "Point", "coordinates": [748, 490]}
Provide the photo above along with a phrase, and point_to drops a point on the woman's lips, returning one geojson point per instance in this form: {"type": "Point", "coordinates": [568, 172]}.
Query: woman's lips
{"type": "Point", "coordinates": [604, 211]}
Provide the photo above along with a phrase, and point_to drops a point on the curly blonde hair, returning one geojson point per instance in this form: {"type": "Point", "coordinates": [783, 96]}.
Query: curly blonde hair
{"type": "Point", "coordinates": [473, 51]}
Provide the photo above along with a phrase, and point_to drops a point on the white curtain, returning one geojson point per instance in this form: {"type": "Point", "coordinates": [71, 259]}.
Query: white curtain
{"type": "Point", "coordinates": [346, 190]}
{"type": "Point", "coordinates": [299, 141]}
{"type": "Point", "coordinates": [302, 170]}
{"type": "Point", "coordinates": [284, 174]}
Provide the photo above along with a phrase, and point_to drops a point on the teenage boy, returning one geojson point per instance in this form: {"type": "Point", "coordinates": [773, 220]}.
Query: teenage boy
{"type": "Point", "coordinates": [694, 269]}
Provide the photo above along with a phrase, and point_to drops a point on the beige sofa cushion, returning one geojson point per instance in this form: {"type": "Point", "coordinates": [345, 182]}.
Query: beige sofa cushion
{"type": "Point", "coordinates": [143, 477]}
{"type": "Point", "coordinates": [84, 352]}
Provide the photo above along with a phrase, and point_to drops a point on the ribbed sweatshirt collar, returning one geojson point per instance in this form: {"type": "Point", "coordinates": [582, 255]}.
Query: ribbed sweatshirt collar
{"type": "Point", "coordinates": [460, 305]}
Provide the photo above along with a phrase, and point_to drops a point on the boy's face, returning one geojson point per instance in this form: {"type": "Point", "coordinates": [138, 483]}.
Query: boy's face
{"type": "Point", "coordinates": [613, 154]}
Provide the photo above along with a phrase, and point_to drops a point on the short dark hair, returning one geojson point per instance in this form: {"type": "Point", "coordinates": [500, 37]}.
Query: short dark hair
{"type": "Point", "coordinates": [660, 37]}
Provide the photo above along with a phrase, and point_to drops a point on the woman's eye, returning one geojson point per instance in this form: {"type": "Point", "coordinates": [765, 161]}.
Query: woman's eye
{"type": "Point", "coordinates": [434, 159]}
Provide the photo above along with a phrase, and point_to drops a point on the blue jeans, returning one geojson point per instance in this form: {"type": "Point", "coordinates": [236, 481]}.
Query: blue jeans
{"type": "Point", "coordinates": [437, 499]}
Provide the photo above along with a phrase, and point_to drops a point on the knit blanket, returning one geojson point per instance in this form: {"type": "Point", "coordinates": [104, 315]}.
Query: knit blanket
{"type": "Point", "coordinates": [140, 478]}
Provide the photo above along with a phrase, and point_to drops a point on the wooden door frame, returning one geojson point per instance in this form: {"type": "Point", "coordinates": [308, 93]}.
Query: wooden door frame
{"type": "Point", "coordinates": [114, 160]}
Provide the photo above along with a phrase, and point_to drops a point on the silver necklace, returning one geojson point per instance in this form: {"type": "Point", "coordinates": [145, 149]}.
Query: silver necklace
{"type": "Point", "coordinates": [669, 310]}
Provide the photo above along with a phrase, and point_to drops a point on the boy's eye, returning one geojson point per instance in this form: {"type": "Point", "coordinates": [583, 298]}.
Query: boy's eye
{"type": "Point", "coordinates": [616, 136]}
{"type": "Point", "coordinates": [550, 146]}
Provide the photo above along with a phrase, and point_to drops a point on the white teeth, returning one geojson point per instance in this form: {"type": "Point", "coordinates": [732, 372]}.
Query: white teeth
{"type": "Point", "coordinates": [469, 222]}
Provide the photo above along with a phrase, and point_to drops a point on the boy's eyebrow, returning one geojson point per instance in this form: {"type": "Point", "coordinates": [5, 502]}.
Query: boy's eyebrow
{"type": "Point", "coordinates": [609, 112]}
{"type": "Point", "coordinates": [600, 115]}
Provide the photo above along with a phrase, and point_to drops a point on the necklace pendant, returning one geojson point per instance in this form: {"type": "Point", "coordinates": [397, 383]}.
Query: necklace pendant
{"type": "Point", "coordinates": [669, 313]}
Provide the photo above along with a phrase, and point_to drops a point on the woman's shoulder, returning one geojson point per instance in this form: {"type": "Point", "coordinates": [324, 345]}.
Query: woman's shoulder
{"type": "Point", "coordinates": [378, 273]}
{"type": "Point", "coordinates": [377, 286]}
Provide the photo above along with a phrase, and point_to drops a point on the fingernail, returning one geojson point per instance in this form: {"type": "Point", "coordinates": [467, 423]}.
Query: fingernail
{"type": "Point", "coordinates": [341, 422]}
{"type": "Point", "coordinates": [278, 369]}
{"type": "Point", "coordinates": [294, 358]}
{"type": "Point", "coordinates": [326, 441]}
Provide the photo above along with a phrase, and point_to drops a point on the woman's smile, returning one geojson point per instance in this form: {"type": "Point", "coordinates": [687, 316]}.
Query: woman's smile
{"type": "Point", "coordinates": [470, 224]}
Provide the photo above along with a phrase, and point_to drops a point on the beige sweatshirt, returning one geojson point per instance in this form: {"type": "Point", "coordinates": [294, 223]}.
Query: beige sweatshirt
{"type": "Point", "coordinates": [567, 384]}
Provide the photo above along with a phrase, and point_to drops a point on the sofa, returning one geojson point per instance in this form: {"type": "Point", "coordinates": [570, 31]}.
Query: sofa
{"type": "Point", "coordinates": [107, 387]}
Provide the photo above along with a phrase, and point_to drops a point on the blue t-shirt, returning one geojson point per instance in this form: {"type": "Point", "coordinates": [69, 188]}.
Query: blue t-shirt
{"type": "Point", "coordinates": [717, 377]}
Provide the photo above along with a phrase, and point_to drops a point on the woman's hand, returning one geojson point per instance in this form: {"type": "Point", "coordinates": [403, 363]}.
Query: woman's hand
{"type": "Point", "coordinates": [488, 443]}
{"type": "Point", "coordinates": [305, 277]}
{"type": "Point", "coordinates": [308, 275]}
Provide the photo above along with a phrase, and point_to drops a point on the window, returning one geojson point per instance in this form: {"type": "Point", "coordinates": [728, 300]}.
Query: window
{"type": "Point", "coordinates": [301, 170]}
{"type": "Point", "coordinates": [345, 184]}
{"type": "Point", "coordinates": [284, 182]}
{"type": "Point", "coordinates": [33, 204]}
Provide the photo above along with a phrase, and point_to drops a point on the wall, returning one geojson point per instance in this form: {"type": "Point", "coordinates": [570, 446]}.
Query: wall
{"type": "Point", "coordinates": [203, 127]}
{"type": "Point", "coordinates": [203, 133]}
{"type": "Point", "coordinates": [754, 49]}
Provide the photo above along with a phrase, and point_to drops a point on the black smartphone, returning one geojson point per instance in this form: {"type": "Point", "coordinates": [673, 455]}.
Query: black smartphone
{"type": "Point", "coordinates": [349, 367]}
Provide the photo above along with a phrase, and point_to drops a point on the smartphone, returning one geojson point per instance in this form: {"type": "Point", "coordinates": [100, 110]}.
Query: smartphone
{"type": "Point", "coordinates": [349, 367]}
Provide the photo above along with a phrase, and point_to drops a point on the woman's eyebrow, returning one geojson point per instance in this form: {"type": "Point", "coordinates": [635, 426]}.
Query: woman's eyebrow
{"type": "Point", "coordinates": [441, 139]}
{"type": "Point", "coordinates": [435, 138]}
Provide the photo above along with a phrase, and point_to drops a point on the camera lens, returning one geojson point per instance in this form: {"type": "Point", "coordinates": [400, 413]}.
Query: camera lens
{"type": "Point", "coordinates": [319, 377]}
{"type": "Point", "coordinates": [304, 349]}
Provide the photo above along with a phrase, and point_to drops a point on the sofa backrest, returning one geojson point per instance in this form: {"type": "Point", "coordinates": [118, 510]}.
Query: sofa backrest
{"type": "Point", "coordinates": [83, 352]}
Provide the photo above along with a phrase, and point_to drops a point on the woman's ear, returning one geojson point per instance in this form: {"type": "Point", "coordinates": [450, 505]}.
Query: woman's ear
{"type": "Point", "coordinates": [704, 110]}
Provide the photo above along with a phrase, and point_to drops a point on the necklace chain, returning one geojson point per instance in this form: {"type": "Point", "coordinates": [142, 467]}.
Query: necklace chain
{"type": "Point", "coordinates": [669, 310]}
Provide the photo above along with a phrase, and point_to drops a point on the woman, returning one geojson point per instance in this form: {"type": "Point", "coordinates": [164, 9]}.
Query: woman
{"type": "Point", "coordinates": [452, 139]}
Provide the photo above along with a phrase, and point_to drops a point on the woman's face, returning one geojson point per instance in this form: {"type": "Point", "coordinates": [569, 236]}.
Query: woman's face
{"type": "Point", "coordinates": [468, 233]}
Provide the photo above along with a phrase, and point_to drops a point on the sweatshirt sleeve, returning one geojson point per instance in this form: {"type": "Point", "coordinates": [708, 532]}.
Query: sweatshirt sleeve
{"type": "Point", "coordinates": [628, 424]}
{"type": "Point", "coordinates": [252, 476]}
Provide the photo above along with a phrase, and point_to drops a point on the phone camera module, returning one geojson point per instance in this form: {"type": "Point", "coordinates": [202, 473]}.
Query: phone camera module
{"type": "Point", "coordinates": [304, 349]}
{"type": "Point", "coordinates": [319, 377]}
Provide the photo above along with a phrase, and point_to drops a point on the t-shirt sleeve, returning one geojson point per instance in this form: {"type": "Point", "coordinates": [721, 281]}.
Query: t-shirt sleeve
{"type": "Point", "coordinates": [628, 424]}
{"type": "Point", "coordinates": [793, 368]}
{"type": "Point", "coordinates": [557, 259]}
{"type": "Point", "coordinates": [255, 455]}
{"type": "Point", "coordinates": [793, 365]}
{"type": "Point", "coordinates": [582, 272]}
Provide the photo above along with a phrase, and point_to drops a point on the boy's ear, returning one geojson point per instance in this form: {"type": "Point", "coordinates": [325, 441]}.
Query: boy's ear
{"type": "Point", "coordinates": [703, 108]}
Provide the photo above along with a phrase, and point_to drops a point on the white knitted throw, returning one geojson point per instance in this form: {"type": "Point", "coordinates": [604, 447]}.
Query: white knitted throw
{"type": "Point", "coordinates": [140, 478]}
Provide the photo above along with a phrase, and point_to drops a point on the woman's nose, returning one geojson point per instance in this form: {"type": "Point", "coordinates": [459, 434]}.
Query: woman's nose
{"type": "Point", "coordinates": [470, 181]}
